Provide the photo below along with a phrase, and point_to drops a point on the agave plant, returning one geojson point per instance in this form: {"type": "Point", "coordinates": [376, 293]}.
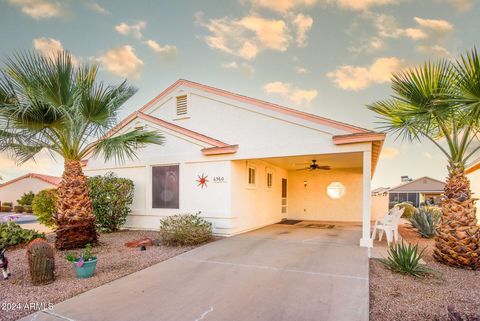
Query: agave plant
{"type": "Point", "coordinates": [426, 221]}
{"type": "Point", "coordinates": [440, 101]}
{"type": "Point", "coordinates": [405, 259]}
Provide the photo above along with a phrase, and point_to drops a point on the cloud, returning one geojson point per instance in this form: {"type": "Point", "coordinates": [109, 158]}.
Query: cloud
{"type": "Point", "coordinates": [369, 45]}
{"type": "Point", "coordinates": [389, 153]}
{"type": "Point", "coordinates": [94, 6]}
{"type": "Point", "coordinates": [247, 36]}
{"type": "Point", "coordinates": [244, 67]}
{"type": "Point", "coordinates": [48, 47]}
{"type": "Point", "coordinates": [166, 50]}
{"type": "Point", "coordinates": [122, 61]}
{"type": "Point", "coordinates": [134, 29]}
{"type": "Point", "coordinates": [303, 24]}
{"type": "Point", "coordinates": [357, 78]}
{"type": "Point", "coordinates": [361, 4]}
{"type": "Point", "coordinates": [437, 25]}
{"type": "Point", "coordinates": [301, 70]}
{"type": "Point", "coordinates": [282, 6]}
{"type": "Point", "coordinates": [293, 94]}
{"type": "Point", "coordinates": [39, 9]}
{"type": "Point", "coordinates": [387, 27]}
{"type": "Point", "coordinates": [461, 5]}
{"type": "Point", "coordinates": [434, 50]}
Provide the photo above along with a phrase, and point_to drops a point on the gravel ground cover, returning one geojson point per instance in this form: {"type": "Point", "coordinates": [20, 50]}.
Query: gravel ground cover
{"type": "Point", "coordinates": [114, 261]}
{"type": "Point", "coordinates": [399, 297]}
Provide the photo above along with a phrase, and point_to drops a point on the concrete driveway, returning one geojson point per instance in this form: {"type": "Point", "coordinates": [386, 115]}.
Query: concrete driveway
{"type": "Point", "coordinates": [280, 272]}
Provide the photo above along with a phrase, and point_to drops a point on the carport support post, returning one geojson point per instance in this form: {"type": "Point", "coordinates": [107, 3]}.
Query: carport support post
{"type": "Point", "coordinates": [366, 241]}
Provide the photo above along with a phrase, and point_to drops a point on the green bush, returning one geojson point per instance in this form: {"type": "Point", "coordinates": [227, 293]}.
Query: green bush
{"type": "Point", "coordinates": [7, 204]}
{"type": "Point", "coordinates": [405, 259]}
{"type": "Point", "coordinates": [6, 208]}
{"type": "Point", "coordinates": [188, 229]}
{"type": "Point", "coordinates": [44, 206]}
{"type": "Point", "coordinates": [12, 234]}
{"type": "Point", "coordinates": [409, 209]}
{"type": "Point", "coordinates": [111, 199]}
{"type": "Point", "coordinates": [28, 209]}
{"type": "Point", "coordinates": [18, 209]}
{"type": "Point", "coordinates": [26, 199]}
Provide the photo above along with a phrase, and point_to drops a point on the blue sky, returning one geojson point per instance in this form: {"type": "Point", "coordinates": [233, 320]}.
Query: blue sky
{"type": "Point", "coordinates": [327, 57]}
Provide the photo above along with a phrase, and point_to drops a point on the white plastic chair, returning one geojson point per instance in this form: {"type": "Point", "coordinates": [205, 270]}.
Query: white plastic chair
{"type": "Point", "coordinates": [388, 225]}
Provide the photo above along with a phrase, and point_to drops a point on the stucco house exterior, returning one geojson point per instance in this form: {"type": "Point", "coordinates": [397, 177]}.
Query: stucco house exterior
{"type": "Point", "coordinates": [12, 190]}
{"type": "Point", "coordinates": [245, 163]}
{"type": "Point", "coordinates": [473, 173]}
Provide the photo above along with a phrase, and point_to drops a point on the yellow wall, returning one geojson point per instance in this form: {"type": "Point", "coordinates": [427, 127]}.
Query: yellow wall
{"type": "Point", "coordinates": [379, 206]}
{"type": "Point", "coordinates": [313, 203]}
{"type": "Point", "coordinates": [475, 187]}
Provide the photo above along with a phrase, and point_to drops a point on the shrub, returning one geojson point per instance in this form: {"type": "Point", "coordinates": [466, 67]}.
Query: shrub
{"type": "Point", "coordinates": [18, 209]}
{"type": "Point", "coordinates": [28, 209]}
{"type": "Point", "coordinates": [405, 259]}
{"type": "Point", "coordinates": [12, 234]}
{"type": "Point", "coordinates": [426, 221]}
{"type": "Point", "coordinates": [188, 229]}
{"type": "Point", "coordinates": [111, 199]}
{"type": "Point", "coordinates": [44, 206]}
{"type": "Point", "coordinates": [6, 208]}
{"type": "Point", "coordinates": [392, 204]}
{"type": "Point", "coordinates": [409, 209]}
{"type": "Point", "coordinates": [26, 199]}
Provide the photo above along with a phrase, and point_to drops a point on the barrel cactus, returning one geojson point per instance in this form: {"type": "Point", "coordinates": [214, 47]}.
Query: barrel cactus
{"type": "Point", "coordinates": [41, 261]}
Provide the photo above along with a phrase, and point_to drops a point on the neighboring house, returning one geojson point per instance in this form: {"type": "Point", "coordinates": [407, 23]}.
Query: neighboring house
{"type": "Point", "coordinates": [420, 191]}
{"type": "Point", "coordinates": [473, 173]}
{"type": "Point", "coordinates": [242, 162]}
{"type": "Point", "coordinates": [12, 190]}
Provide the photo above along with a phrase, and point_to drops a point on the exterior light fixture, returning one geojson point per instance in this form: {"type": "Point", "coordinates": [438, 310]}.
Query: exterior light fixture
{"type": "Point", "coordinates": [305, 183]}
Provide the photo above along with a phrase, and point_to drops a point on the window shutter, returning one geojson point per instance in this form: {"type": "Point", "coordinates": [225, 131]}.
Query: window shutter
{"type": "Point", "coordinates": [182, 108]}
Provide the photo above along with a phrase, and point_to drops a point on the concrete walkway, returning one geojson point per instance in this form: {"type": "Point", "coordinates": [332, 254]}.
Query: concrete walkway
{"type": "Point", "coordinates": [280, 272]}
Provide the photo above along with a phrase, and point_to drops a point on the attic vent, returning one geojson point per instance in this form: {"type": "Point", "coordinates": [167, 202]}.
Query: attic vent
{"type": "Point", "coordinates": [182, 105]}
{"type": "Point", "coordinates": [138, 127]}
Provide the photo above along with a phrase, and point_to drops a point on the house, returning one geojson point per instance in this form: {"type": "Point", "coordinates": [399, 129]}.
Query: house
{"type": "Point", "coordinates": [420, 191]}
{"type": "Point", "coordinates": [473, 174]}
{"type": "Point", "coordinates": [13, 190]}
{"type": "Point", "coordinates": [244, 163]}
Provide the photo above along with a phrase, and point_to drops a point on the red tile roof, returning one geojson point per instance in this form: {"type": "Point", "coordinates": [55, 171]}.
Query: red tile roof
{"type": "Point", "coordinates": [54, 180]}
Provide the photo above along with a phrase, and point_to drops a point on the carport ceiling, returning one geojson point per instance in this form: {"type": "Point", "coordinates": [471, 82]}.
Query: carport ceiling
{"type": "Point", "coordinates": [335, 161]}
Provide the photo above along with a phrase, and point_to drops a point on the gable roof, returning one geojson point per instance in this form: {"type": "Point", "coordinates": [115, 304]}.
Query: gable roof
{"type": "Point", "coordinates": [54, 180]}
{"type": "Point", "coordinates": [356, 134]}
{"type": "Point", "coordinates": [257, 102]}
{"type": "Point", "coordinates": [422, 184]}
{"type": "Point", "coordinates": [218, 147]}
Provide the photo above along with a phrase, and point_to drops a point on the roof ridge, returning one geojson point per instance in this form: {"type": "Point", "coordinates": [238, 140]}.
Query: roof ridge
{"type": "Point", "coordinates": [262, 103]}
{"type": "Point", "coordinates": [54, 180]}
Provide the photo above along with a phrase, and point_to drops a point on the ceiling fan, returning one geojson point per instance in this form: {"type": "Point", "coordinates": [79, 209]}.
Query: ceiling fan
{"type": "Point", "coordinates": [314, 166]}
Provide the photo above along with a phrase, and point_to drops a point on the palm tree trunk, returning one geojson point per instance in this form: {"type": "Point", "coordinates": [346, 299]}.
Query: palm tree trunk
{"type": "Point", "coordinates": [457, 242]}
{"type": "Point", "coordinates": [75, 219]}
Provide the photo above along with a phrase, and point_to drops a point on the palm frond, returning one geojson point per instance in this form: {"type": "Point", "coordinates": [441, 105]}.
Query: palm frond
{"type": "Point", "coordinates": [125, 146]}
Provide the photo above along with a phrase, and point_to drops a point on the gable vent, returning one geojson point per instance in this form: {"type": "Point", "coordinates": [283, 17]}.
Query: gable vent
{"type": "Point", "coordinates": [182, 108]}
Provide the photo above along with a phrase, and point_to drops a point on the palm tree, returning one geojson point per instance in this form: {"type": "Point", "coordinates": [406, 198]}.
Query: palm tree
{"type": "Point", "coordinates": [53, 104]}
{"type": "Point", "coordinates": [440, 102]}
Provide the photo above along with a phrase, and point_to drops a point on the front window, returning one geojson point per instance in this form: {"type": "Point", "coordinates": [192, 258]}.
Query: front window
{"type": "Point", "coordinates": [269, 179]}
{"type": "Point", "coordinates": [165, 187]}
{"type": "Point", "coordinates": [252, 173]}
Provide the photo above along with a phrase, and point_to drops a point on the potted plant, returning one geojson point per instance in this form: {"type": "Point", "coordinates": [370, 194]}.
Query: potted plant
{"type": "Point", "coordinates": [84, 264]}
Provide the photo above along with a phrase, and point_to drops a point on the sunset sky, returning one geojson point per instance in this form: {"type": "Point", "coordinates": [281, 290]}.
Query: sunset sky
{"type": "Point", "coordinates": [327, 57]}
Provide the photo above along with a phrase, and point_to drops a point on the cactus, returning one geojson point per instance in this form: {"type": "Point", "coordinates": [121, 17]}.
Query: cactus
{"type": "Point", "coordinates": [41, 261]}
